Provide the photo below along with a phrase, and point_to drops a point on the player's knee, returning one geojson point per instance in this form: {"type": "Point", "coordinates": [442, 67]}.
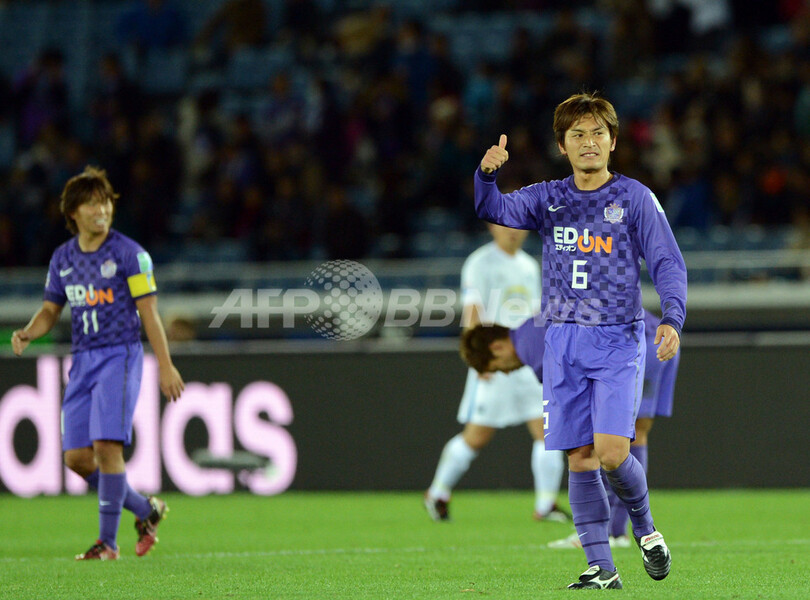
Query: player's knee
{"type": "Point", "coordinates": [612, 458]}
{"type": "Point", "coordinates": [81, 463]}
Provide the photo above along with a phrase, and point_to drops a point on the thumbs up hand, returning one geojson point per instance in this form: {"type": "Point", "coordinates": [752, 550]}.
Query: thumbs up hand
{"type": "Point", "coordinates": [495, 157]}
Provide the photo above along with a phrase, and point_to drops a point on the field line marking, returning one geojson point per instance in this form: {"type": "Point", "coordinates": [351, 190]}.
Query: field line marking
{"type": "Point", "coordinates": [411, 550]}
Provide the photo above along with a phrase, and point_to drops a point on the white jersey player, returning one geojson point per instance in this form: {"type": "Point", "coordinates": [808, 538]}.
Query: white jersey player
{"type": "Point", "coordinates": [500, 284]}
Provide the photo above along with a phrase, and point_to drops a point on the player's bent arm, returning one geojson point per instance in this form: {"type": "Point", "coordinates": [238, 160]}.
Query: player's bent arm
{"type": "Point", "coordinates": [40, 324]}
{"type": "Point", "coordinates": [519, 209]}
{"type": "Point", "coordinates": [664, 259]}
{"type": "Point", "coordinates": [171, 383]}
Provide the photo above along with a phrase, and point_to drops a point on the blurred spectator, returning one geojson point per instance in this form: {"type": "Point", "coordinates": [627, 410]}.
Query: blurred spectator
{"type": "Point", "coordinates": [303, 24]}
{"type": "Point", "coordinates": [567, 49]}
{"type": "Point", "coordinates": [365, 39]}
{"type": "Point", "coordinates": [281, 115]}
{"type": "Point", "coordinates": [479, 96]}
{"type": "Point", "coordinates": [10, 247]}
{"type": "Point", "coordinates": [413, 62]}
{"type": "Point", "coordinates": [327, 128]}
{"type": "Point", "coordinates": [152, 24]}
{"type": "Point", "coordinates": [235, 25]}
{"type": "Point", "coordinates": [8, 137]}
{"type": "Point", "coordinates": [447, 78]}
{"type": "Point", "coordinates": [346, 231]}
{"type": "Point", "coordinates": [41, 97]}
{"type": "Point", "coordinates": [377, 115]}
{"type": "Point", "coordinates": [116, 97]}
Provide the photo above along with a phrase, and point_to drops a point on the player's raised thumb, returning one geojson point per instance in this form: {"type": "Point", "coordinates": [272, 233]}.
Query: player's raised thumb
{"type": "Point", "coordinates": [502, 142]}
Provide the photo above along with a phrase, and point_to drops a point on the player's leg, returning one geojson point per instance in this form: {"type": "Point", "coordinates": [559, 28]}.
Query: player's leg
{"type": "Point", "coordinates": [111, 429]}
{"type": "Point", "coordinates": [547, 468]}
{"type": "Point", "coordinates": [521, 401]}
{"type": "Point", "coordinates": [591, 510]}
{"type": "Point", "coordinates": [629, 483]}
{"type": "Point", "coordinates": [617, 392]}
{"type": "Point", "coordinates": [112, 485]}
{"type": "Point", "coordinates": [82, 461]}
{"type": "Point", "coordinates": [567, 393]}
{"type": "Point", "coordinates": [619, 517]}
{"type": "Point", "coordinates": [459, 452]}
{"type": "Point", "coordinates": [455, 460]}
{"type": "Point", "coordinates": [79, 456]}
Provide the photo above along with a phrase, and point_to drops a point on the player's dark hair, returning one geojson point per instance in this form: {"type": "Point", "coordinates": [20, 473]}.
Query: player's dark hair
{"type": "Point", "coordinates": [577, 106]}
{"type": "Point", "coordinates": [89, 185]}
{"type": "Point", "coordinates": [474, 347]}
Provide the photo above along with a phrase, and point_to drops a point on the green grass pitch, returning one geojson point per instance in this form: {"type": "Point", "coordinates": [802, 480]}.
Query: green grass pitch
{"type": "Point", "coordinates": [725, 544]}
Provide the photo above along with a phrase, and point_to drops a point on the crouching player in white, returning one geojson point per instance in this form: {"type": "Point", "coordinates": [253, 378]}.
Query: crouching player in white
{"type": "Point", "coordinates": [501, 284]}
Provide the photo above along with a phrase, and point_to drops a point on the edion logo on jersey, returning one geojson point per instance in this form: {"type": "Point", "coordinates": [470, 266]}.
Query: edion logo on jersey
{"type": "Point", "coordinates": [568, 239]}
{"type": "Point", "coordinates": [79, 295]}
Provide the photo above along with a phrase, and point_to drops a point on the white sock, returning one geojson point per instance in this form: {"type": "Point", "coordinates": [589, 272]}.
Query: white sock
{"type": "Point", "coordinates": [547, 466]}
{"type": "Point", "coordinates": [453, 463]}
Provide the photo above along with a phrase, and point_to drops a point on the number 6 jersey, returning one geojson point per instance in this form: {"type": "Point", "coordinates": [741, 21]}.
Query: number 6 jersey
{"type": "Point", "coordinates": [101, 288]}
{"type": "Point", "coordinates": [593, 243]}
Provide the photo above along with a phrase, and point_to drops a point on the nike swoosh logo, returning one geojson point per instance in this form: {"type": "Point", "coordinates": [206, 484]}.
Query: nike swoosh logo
{"type": "Point", "coordinates": [65, 272]}
{"type": "Point", "coordinates": [555, 208]}
{"type": "Point", "coordinates": [581, 534]}
{"type": "Point", "coordinates": [636, 509]}
{"type": "Point", "coordinates": [103, 503]}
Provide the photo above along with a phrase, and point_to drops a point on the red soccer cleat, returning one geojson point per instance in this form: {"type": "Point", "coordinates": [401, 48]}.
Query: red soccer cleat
{"type": "Point", "coordinates": [147, 529]}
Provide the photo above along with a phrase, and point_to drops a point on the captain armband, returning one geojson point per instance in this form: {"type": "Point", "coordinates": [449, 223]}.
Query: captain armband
{"type": "Point", "coordinates": [141, 284]}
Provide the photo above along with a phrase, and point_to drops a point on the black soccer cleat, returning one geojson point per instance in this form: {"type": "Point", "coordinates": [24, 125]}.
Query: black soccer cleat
{"type": "Point", "coordinates": [597, 578]}
{"type": "Point", "coordinates": [655, 553]}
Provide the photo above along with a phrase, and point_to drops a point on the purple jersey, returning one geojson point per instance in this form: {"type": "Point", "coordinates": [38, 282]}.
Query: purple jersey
{"type": "Point", "coordinates": [529, 340]}
{"type": "Point", "coordinates": [593, 243]}
{"type": "Point", "coordinates": [101, 288]}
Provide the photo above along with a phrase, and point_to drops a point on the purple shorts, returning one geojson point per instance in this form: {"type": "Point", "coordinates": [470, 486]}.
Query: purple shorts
{"type": "Point", "coordinates": [659, 386]}
{"type": "Point", "coordinates": [592, 382]}
{"type": "Point", "coordinates": [101, 394]}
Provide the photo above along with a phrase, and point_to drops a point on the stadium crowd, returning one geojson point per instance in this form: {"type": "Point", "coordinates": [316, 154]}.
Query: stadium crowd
{"type": "Point", "coordinates": [275, 128]}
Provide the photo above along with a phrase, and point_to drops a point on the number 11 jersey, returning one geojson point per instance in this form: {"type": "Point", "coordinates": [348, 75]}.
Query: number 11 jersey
{"type": "Point", "coordinates": [101, 288]}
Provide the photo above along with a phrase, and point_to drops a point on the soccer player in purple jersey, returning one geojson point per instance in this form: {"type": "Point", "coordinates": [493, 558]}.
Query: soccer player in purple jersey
{"type": "Point", "coordinates": [107, 279]}
{"type": "Point", "coordinates": [597, 225]}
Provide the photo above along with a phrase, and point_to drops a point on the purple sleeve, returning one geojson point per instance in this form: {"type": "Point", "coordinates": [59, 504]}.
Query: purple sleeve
{"type": "Point", "coordinates": [519, 210]}
{"type": "Point", "coordinates": [529, 340]}
{"type": "Point", "coordinates": [665, 263]}
{"type": "Point", "coordinates": [54, 290]}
